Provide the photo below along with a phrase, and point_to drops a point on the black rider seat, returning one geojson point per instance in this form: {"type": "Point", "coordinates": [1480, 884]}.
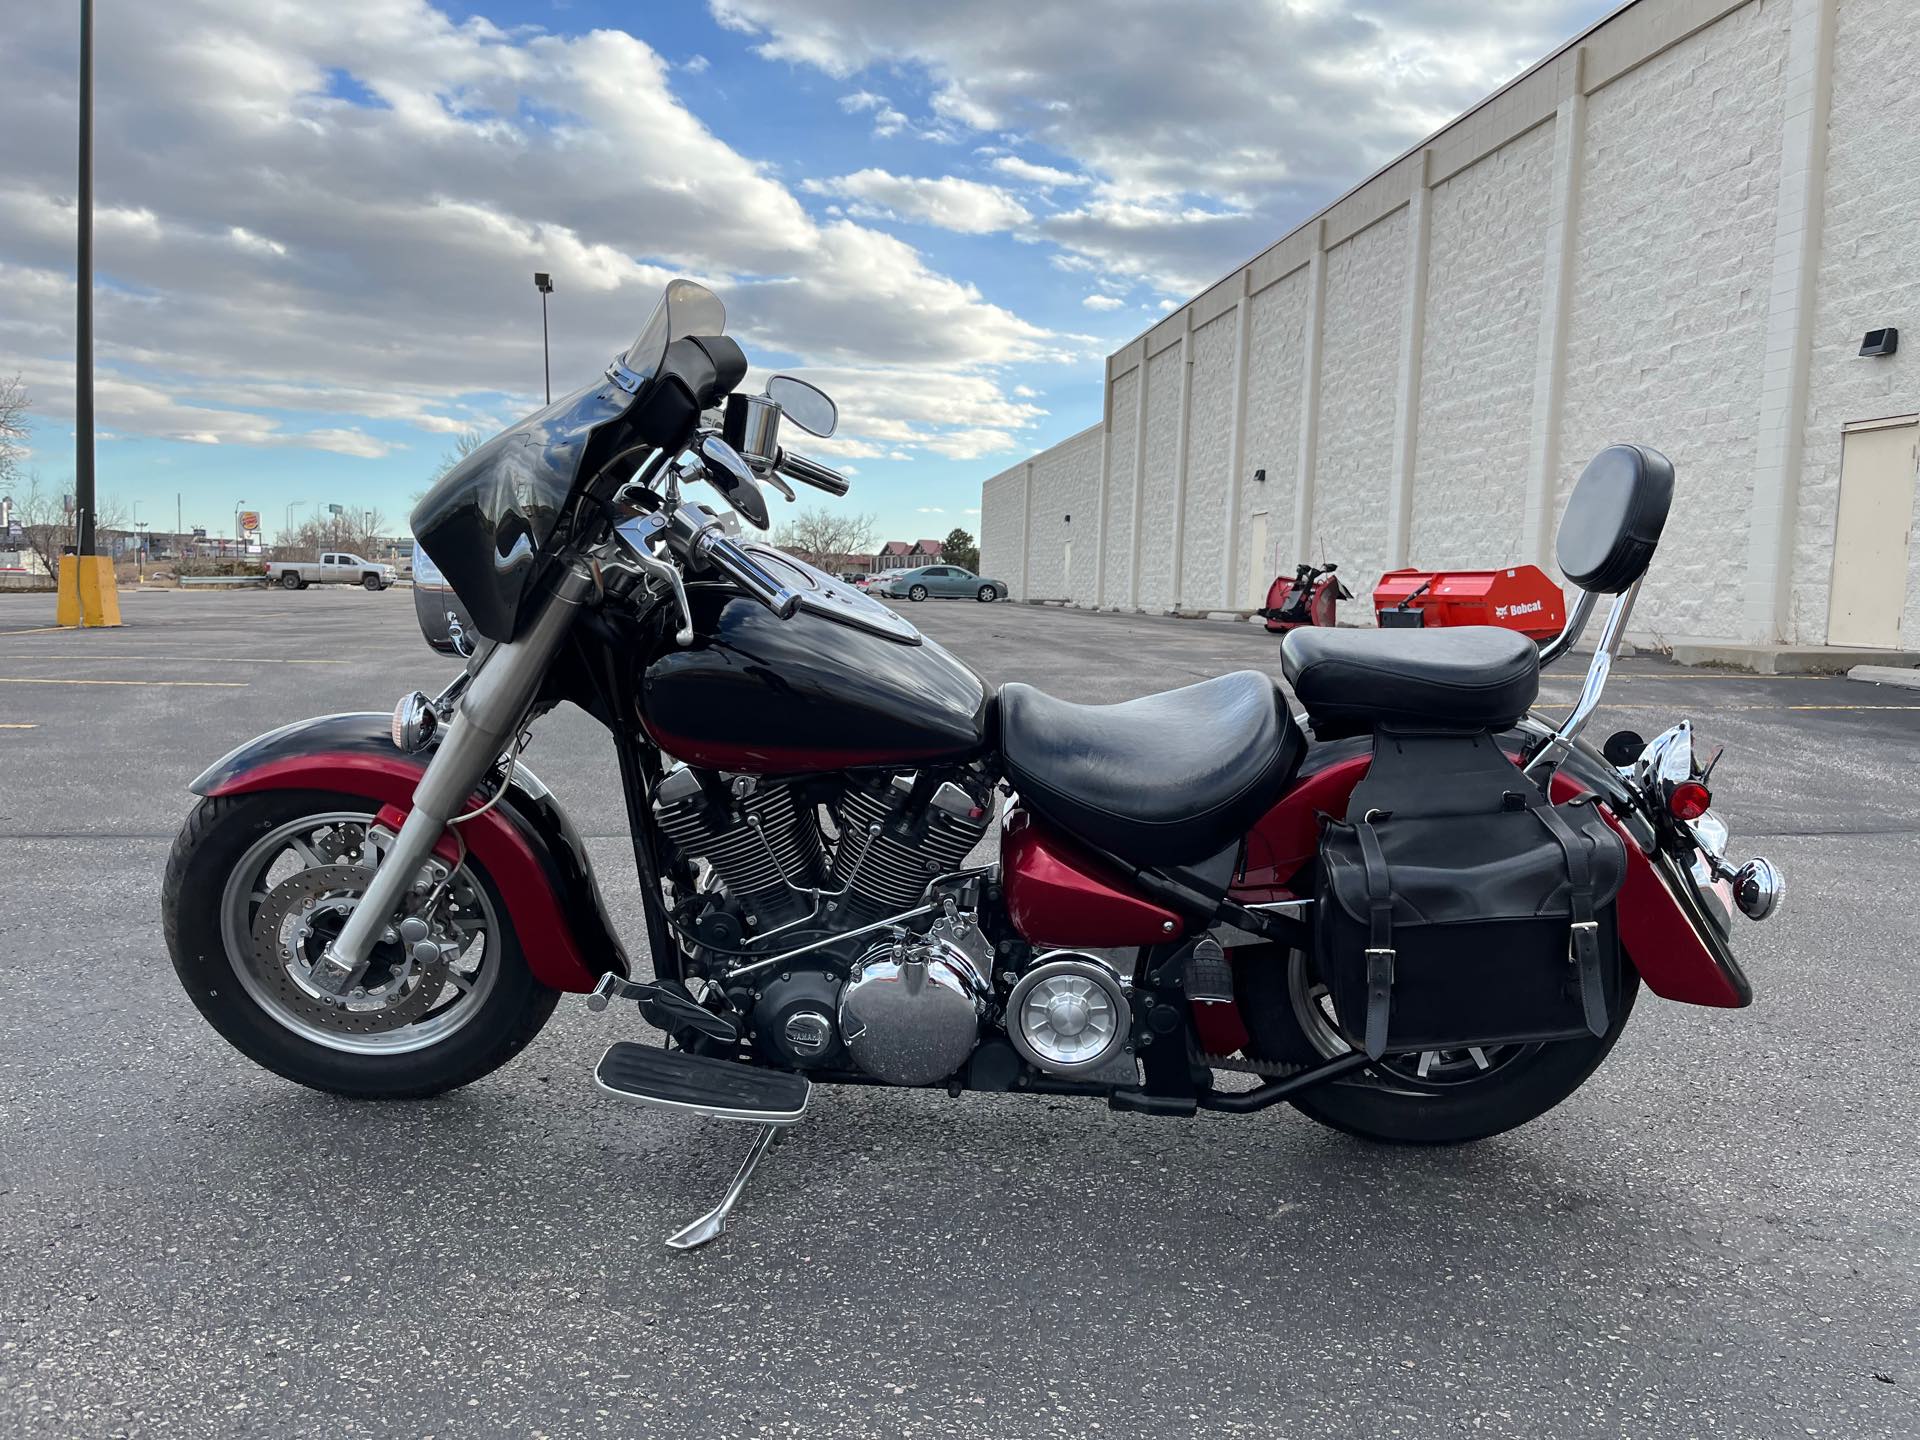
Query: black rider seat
{"type": "Point", "coordinates": [1479, 676]}
{"type": "Point", "coordinates": [1165, 780]}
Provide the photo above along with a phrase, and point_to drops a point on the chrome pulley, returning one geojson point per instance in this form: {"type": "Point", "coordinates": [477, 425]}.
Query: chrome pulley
{"type": "Point", "coordinates": [405, 974]}
{"type": "Point", "coordinates": [1068, 1014]}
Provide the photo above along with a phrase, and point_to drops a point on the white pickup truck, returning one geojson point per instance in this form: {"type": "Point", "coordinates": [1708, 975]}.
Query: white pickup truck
{"type": "Point", "coordinates": [334, 567]}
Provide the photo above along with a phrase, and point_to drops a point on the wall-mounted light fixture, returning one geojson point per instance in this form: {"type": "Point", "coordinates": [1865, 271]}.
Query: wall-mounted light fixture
{"type": "Point", "coordinates": [1259, 477]}
{"type": "Point", "coordinates": [1880, 342]}
{"type": "Point", "coordinates": [1068, 520]}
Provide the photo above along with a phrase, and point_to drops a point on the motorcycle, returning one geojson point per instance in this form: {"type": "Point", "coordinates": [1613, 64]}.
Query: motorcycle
{"type": "Point", "coordinates": [1309, 598]}
{"type": "Point", "coordinates": [1177, 918]}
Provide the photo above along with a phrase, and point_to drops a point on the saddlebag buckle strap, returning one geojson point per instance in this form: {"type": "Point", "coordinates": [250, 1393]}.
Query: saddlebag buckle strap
{"type": "Point", "coordinates": [1380, 952]}
{"type": "Point", "coordinates": [1583, 938]}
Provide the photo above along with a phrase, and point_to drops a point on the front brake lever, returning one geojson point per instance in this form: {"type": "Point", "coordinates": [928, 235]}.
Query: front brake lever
{"type": "Point", "coordinates": [636, 534]}
{"type": "Point", "coordinates": [771, 477]}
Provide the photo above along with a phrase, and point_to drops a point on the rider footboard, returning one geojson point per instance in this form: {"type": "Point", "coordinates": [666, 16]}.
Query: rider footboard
{"type": "Point", "coordinates": [1458, 907]}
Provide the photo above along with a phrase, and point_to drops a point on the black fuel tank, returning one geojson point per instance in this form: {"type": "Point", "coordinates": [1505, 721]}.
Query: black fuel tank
{"type": "Point", "coordinates": [759, 694]}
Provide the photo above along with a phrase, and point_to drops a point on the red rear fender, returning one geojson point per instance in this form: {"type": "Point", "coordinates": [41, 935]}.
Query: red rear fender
{"type": "Point", "coordinates": [525, 843]}
{"type": "Point", "coordinates": [1673, 956]}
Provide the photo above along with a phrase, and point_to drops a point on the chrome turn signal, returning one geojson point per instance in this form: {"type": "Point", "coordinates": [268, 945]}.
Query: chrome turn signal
{"type": "Point", "coordinates": [1757, 888]}
{"type": "Point", "coordinates": [414, 722]}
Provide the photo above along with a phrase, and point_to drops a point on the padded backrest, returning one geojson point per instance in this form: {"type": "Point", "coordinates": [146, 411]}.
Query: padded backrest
{"type": "Point", "coordinates": [1614, 518]}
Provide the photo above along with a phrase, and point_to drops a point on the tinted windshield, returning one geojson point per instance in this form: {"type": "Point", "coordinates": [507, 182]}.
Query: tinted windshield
{"type": "Point", "coordinates": [684, 308]}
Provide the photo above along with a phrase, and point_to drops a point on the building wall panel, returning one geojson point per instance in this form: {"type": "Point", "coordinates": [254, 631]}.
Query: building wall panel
{"type": "Point", "coordinates": [1672, 266]}
{"type": "Point", "coordinates": [1123, 410]}
{"type": "Point", "coordinates": [1277, 322]}
{"type": "Point", "coordinates": [1066, 482]}
{"type": "Point", "coordinates": [1484, 282]}
{"type": "Point", "coordinates": [1869, 277]}
{"type": "Point", "coordinates": [1209, 443]}
{"type": "Point", "coordinates": [1366, 294]}
{"type": "Point", "coordinates": [1156, 505]}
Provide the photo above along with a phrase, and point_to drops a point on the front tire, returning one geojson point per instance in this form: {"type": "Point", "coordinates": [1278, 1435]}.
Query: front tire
{"type": "Point", "coordinates": [917, 593]}
{"type": "Point", "coordinates": [371, 582]}
{"type": "Point", "coordinates": [220, 879]}
{"type": "Point", "coordinates": [988, 595]}
{"type": "Point", "coordinates": [1475, 1094]}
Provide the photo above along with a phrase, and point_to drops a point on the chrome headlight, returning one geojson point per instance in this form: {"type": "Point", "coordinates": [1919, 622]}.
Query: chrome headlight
{"type": "Point", "coordinates": [414, 722]}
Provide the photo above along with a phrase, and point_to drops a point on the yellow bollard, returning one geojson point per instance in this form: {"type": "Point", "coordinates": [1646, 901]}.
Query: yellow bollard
{"type": "Point", "coordinates": [87, 594]}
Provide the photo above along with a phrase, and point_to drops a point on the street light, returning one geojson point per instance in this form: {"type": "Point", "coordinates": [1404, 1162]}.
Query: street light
{"type": "Point", "coordinates": [543, 282]}
{"type": "Point", "coordinates": [289, 526]}
{"type": "Point", "coordinates": [237, 506]}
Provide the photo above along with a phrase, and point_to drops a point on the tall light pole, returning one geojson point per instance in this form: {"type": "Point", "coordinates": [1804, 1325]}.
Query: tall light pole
{"type": "Point", "coordinates": [83, 311]}
{"type": "Point", "coordinates": [236, 525]}
{"type": "Point", "coordinates": [543, 282]}
{"type": "Point", "coordinates": [289, 528]}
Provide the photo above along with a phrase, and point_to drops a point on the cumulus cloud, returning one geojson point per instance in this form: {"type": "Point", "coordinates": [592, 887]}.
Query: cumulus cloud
{"type": "Point", "coordinates": [1258, 112]}
{"type": "Point", "coordinates": [1103, 302]}
{"type": "Point", "coordinates": [334, 212]}
{"type": "Point", "coordinates": [1029, 173]}
{"type": "Point", "coordinates": [966, 206]}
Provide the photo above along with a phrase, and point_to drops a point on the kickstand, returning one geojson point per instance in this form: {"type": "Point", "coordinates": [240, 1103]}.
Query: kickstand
{"type": "Point", "coordinates": [713, 1224]}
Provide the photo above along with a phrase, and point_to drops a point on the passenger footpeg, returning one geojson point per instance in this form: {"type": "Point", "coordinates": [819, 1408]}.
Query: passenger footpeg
{"type": "Point", "coordinates": [769, 1100]}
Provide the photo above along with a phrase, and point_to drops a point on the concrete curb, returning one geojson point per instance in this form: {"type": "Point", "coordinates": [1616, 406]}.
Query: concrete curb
{"type": "Point", "coordinates": [1886, 675]}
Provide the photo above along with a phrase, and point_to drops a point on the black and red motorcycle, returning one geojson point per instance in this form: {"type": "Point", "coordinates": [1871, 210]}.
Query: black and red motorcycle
{"type": "Point", "coordinates": [1427, 925]}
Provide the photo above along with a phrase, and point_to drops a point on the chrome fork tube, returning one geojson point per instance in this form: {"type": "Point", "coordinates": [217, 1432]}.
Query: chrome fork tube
{"type": "Point", "coordinates": [491, 711]}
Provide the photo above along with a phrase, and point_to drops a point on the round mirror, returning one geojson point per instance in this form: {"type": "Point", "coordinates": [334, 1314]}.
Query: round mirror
{"type": "Point", "coordinates": [811, 409]}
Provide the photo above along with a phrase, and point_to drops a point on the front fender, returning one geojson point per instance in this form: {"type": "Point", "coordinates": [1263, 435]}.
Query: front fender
{"type": "Point", "coordinates": [525, 843]}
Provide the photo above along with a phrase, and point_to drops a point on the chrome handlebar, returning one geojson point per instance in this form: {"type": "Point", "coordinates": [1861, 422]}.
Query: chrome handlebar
{"type": "Point", "coordinates": [703, 541]}
{"type": "Point", "coordinates": [811, 472]}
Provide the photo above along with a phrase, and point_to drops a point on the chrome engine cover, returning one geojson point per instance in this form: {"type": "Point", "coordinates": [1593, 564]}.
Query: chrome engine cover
{"type": "Point", "coordinates": [910, 1013]}
{"type": "Point", "coordinates": [1068, 1015]}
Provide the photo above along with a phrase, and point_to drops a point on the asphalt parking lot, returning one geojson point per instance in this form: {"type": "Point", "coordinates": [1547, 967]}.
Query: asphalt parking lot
{"type": "Point", "coordinates": [1715, 1237]}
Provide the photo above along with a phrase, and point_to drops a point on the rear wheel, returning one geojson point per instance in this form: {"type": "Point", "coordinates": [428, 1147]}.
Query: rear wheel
{"type": "Point", "coordinates": [290, 581]}
{"type": "Point", "coordinates": [917, 592]}
{"type": "Point", "coordinates": [1430, 1097]}
{"type": "Point", "coordinates": [255, 888]}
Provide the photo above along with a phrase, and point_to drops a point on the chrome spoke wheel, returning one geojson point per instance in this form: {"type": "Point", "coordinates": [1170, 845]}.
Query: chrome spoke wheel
{"type": "Point", "coordinates": [291, 894]}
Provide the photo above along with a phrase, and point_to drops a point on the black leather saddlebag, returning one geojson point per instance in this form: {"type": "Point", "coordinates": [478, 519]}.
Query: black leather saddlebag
{"type": "Point", "coordinates": [1457, 907]}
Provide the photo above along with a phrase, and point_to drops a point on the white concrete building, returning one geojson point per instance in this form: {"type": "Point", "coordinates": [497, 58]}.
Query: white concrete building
{"type": "Point", "coordinates": [1676, 230]}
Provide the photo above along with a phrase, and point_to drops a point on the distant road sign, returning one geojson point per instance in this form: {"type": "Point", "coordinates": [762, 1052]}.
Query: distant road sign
{"type": "Point", "coordinates": [336, 509]}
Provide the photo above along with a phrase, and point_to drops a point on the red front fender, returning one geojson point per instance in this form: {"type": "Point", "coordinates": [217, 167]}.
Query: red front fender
{"type": "Point", "coordinates": [525, 843]}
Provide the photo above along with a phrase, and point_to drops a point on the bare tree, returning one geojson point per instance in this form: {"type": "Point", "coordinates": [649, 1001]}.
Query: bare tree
{"type": "Point", "coordinates": [829, 538]}
{"type": "Point", "coordinates": [14, 405]}
{"type": "Point", "coordinates": [49, 525]}
{"type": "Point", "coordinates": [464, 444]}
{"type": "Point", "coordinates": [359, 531]}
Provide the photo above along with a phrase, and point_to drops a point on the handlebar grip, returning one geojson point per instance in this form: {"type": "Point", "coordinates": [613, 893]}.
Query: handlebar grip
{"type": "Point", "coordinates": [747, 573]}
{"type": "Point", "coordinates": [812, 472]}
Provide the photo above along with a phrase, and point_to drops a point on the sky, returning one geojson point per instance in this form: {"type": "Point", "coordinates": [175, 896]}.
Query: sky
{"type": "Point", "coordinates": [316, 224]}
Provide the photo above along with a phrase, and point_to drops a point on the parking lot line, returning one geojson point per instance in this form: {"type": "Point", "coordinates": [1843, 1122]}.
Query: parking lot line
{"type": "Point", "coordinates": [145, 684]}
{"type": "Point", "coordinates": [19, 724]}
{"type": "Point", "coordinates": [183, 659]}
{"type": "Point", "coordinates": [37, 630]}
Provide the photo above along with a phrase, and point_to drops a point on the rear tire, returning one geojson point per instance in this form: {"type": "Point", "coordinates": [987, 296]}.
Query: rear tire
{"type": "Point", "coordinates": [218, 837]}
{"type": "Point", "coordinates": [917, 593]}
{"type": "Point", "coordinates": [1525, 1083]}
{"type": "Point", "coordinates": [291, 581]}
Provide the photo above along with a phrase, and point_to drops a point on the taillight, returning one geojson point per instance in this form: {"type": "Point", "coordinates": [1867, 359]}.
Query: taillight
{"type": "Point", "coordinates": [1690, 800]}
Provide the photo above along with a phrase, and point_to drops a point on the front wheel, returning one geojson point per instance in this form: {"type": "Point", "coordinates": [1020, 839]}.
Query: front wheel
{"type": "Point", "coordinates": [371, 582]}
{"type": "Point", "coordinates": [258, 884]}
{"type": "Point", "coordinates": [1430, 1097]}
{"type": "Point", "coordinates": [988, 595]}
{"type": "Point", "coordinates": [917, 592]}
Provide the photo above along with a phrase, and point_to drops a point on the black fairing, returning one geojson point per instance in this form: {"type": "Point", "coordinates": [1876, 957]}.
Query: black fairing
{"type": "Point", "coordinates": [757, 693]}
{"type": "Point", "coordinates": [491, 521]}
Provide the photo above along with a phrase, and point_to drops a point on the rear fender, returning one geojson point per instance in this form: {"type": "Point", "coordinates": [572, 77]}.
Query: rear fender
{"type": "Point", "coordinates": [1670, 940]}
{"type": "Point", "coordinates": [525, 843]}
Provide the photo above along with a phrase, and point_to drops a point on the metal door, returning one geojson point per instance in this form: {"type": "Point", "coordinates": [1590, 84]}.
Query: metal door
{"type": "Point", "coordinates": [1871, 535]}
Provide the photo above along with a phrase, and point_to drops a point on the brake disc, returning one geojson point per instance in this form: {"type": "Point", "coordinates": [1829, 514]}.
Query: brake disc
{"type": "Point", "coordinates": [278, 959]}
